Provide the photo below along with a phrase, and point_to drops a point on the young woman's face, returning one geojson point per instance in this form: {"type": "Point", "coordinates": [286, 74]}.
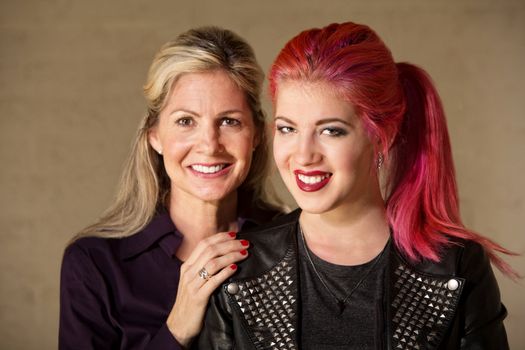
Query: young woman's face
{"type": "Point", "coordinates": [321, 148]}
{"type": "Point", "coordinates": [206, 135]}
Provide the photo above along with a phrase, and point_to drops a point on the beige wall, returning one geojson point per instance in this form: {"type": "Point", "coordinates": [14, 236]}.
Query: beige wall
{"type": "Point", "coordinates": [70, 99]}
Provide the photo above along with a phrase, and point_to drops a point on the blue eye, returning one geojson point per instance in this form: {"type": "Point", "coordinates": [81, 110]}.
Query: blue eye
{"type": "Point", "coordinates": [185, 121]}
{"type": "Point", "coordinates": [335, 132]}
{"type": "Point", "coordinates": [283, 129]}
{"type": "Point", "coordinates": [227, 121]}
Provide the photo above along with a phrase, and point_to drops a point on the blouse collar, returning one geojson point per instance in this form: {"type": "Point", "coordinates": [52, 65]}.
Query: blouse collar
{"type": "Point", "coordinates": [162, 231]}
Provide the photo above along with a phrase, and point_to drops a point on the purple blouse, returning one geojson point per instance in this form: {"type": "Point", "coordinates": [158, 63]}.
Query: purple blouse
{"type": "Point", "coordinates": [117, 293]}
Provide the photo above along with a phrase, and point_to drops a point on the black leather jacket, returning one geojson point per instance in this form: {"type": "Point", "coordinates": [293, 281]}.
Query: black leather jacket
{"type": "Point", "coordinates": [453, 304]}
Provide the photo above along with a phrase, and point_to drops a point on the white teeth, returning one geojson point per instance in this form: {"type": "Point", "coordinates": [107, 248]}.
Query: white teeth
{"type": "Point", "coordinates": [208, 169]}
{"type": "Point", "coordinates": [312, 179]}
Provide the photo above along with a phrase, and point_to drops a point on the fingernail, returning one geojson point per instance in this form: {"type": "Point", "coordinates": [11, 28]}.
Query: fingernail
{"type": "Point", "coordinates": [245, 242]}
{"type": "Point", "coordinates": [244, 252]}
{"type": "Point", "coordinates": [232, 234]}
{"type": "Point", "coordinates": [233, 267]}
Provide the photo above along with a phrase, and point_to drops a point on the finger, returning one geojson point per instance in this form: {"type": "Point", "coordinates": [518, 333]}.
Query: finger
{"type": "Point", "coordinates": [214, 266]}
{"type": "Point", "coordinates": [190, 271]}
{"type": "Point", "coordinates": [217, 279]}
{"type": "Point", "coordinates": [220, 249]}
{"type": "Point", "coordinates": [212, 240]}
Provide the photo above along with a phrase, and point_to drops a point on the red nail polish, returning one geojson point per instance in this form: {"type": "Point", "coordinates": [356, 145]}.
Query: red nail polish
{"type": "Point", "coordinates": [232, 234]}
{"type": "Point", "coordinates": [244, 252]}
{"type": "Point", "coordinates": [245, 242]}
{"type": "Point", "coordinates": [233, 267]}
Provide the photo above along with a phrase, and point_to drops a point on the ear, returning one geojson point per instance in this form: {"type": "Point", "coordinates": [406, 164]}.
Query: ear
{"type": "Point", "coordinates": [379, 145]}
{"type": "Point", "coordinates": [154, 140]}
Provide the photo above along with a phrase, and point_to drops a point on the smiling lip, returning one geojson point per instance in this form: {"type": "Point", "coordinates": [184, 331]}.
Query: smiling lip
{"type": "Point", "coordinates": [311, 181]}
{"type": "Point", "coordinates": [210, 171]}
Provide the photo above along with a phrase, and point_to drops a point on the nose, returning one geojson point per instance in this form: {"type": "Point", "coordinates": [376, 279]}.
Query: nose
{"type": "Point", "coordinates": [307, 151]}
{"type": "Point", "coordinates": [210, 140]}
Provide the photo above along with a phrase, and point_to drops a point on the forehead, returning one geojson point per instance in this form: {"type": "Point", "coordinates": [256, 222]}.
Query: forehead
{"type": "Point", "coordinates": [299, 99]}
{"type": "Point", "coordinates": [206, 87]}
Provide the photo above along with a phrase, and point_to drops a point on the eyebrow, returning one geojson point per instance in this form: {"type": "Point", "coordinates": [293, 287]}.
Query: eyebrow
{"type": "Point", "coordinates": [189, 111]}
{"type": "Point", "coordinates": [319, 122]}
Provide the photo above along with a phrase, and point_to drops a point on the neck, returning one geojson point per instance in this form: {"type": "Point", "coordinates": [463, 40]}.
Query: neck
{"type": "Point", "coordinates": [196, 219]}
{"type": "Point", "coordinates": [351, 235]}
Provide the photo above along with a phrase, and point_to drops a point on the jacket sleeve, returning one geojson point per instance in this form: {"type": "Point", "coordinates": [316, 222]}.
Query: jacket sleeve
{"type": "Point", "coordinates": [86, 318]}
{"type": "Point", "coordinates": [217, 332]}
{"type": "Point", "coordinates": [482, 310]}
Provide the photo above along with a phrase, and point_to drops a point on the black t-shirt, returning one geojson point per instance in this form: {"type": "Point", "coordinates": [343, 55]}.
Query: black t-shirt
{"type": "Point", "coordinates": [327, 326]}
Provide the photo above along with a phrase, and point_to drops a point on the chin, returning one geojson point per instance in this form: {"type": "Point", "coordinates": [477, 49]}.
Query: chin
{"type": "Point", "coordinates": [213, 196]}
{"type": "Point", "coordinates": [314, 207]}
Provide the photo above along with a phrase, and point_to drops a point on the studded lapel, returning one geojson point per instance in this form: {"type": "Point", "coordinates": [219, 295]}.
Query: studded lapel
{"type": "Point", "coordinates": [422, 306]}
{"type": "Point", "coordinates": [268, 304]}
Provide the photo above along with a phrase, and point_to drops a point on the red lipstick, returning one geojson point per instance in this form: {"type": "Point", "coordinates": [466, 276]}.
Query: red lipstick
{"type": "Point", "coordinates": [312, 187]}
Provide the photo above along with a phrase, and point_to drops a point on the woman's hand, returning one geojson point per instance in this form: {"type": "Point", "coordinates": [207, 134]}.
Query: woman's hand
{"type": "Point", "coordinates": [210, 264]}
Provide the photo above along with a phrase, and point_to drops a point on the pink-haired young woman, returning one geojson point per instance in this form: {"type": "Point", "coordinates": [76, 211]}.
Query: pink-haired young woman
{"type": "Point", "coordinates": [376, 257]}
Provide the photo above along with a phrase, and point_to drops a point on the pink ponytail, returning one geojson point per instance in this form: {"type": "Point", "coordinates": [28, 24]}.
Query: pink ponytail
{"type": "Point", "coordinates": [423, 204]}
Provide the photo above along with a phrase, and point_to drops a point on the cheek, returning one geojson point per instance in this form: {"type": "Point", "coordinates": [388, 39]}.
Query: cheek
{"type": "Point", "coordinates": [177, 146]}
{"type": "Point", "coordinates": [354, 159]}
{"type": "Point", "coordinates": [280, 156]}
{"type": "Point", "coordinates": [240, 145]}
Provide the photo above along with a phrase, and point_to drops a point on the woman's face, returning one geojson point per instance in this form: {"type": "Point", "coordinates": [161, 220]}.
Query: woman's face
{"type": "Point", "coordinates": [321, 148]}
{"type": "Point", "coordinates": [206, 135]}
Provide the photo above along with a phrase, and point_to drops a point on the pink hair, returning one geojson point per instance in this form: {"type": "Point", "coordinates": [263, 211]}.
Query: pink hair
{"type": "Point", "coordinates": [400, 108]}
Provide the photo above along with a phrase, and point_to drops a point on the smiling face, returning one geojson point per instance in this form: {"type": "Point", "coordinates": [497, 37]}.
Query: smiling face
{"type": "Point", "coordinates": [206, 135]}
{"type": "Point", "coordinates": [321, 149]}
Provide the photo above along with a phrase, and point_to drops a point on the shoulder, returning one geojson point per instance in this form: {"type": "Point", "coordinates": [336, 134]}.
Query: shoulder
{"type": "Point", "coordinates": [468, 257]}
{"type": "Point", "coordinates": [473, 264]}
{"type": "Point", "coordinates": [269, 244]}
{"type": "Point", "coordinates": [81, 249]}
{"type": "Point", "coordinates": [459, 257]}
{"type": "Point", "coordinates": [88, 256]}
{"type": "Point", "coordinates": [89, 246]}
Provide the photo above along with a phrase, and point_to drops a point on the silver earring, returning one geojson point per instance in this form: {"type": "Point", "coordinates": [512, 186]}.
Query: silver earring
{"type": "Point", "coordinates": [160, 152]}
{"type": "Point", "coordinates": [380, 160]}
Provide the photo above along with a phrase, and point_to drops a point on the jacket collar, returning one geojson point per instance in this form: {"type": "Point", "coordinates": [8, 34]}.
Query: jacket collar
{"type": "Point", "coordinates": [420, 303]}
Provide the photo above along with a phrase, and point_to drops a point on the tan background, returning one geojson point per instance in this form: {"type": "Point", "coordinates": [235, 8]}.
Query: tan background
{"type": "Point", "coordinates": [70, 100]}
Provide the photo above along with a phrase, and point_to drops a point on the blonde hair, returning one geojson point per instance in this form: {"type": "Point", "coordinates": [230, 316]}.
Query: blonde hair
{"type": "Point", "coordinates": [144, 186]}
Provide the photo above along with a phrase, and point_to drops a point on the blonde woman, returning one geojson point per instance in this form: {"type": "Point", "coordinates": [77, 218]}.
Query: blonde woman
{"type": "Point", "coordinates": [140, 277]}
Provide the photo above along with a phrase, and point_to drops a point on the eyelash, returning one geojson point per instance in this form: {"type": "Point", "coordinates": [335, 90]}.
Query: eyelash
{"type": "Point", "coordinates": [283, 129]}
{"type": "Point", "coordinates": [332, 131]}
{"type": "Point", "coordinates": [225, 121]}
{"type": "Point", "coordinates": [184, 121]}
{"type": "Point", "coordinates": [335, 132]}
